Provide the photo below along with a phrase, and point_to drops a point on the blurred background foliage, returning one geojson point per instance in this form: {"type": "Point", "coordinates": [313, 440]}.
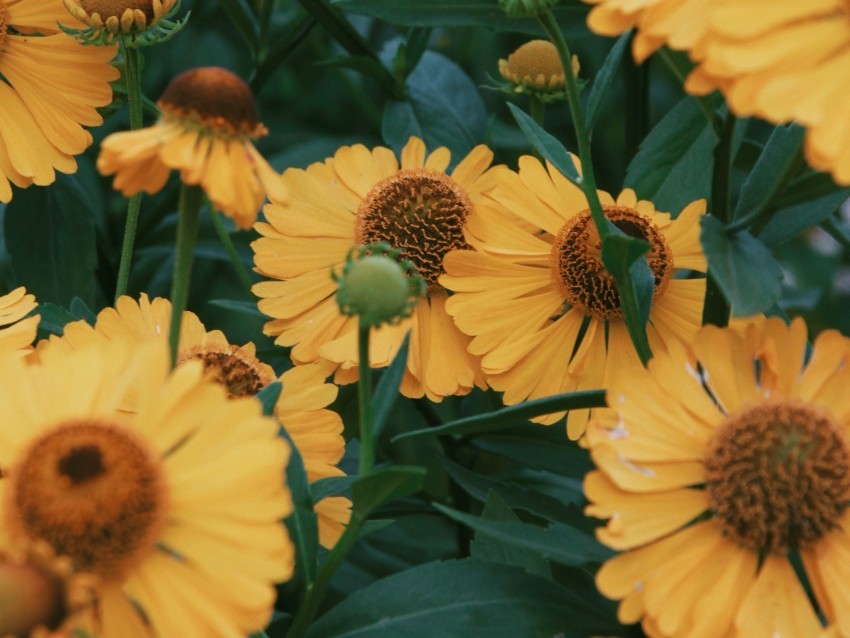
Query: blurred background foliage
{"type": "Point", "coordinates": [330, 73]}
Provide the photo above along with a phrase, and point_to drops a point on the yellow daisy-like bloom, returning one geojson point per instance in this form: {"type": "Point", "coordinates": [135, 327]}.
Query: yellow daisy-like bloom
{"type": "Point", "coordinates": [19, 333]}
{"type": "Point", "coordinates": [535, 67]}
{"type": "Point", "coordinates": [718, 476]}
{"type": "Point", "coordinates": [41, 595]}
{"type": "Point", "coordinates": [680, 24]}
{"type": "Point", "coordinates": [209, 119]}
{"type": "Point", "coordinates": [120, 16]}
{"type": "Point", "coordinates": [50, 88]}
{"type": "Point", "coordinates": [175, 506]}
{"type": "Point", "coordinates": [788, 63]}
{"type": "Point", "coordinates": [315, 431]}
{"type": "Point", "coordinates": [544, 312]}
{"type": "Point", "coordinates": [363, 197]}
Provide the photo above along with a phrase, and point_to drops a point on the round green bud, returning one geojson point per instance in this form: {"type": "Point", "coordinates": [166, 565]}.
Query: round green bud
{"type": "Point", "coordinates": [375, 288]}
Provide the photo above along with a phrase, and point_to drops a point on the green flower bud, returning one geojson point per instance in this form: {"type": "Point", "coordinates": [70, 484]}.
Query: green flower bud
{"type": "Point", "coordinates": [526, 8]}
{"type": "Point", "coordinates": [376, 286]}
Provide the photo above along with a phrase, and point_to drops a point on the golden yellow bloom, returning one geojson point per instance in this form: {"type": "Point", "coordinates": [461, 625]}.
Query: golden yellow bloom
{"type": "Point", "coordinates": [50, 88]}
{"type": "Point", "coordinates": [782, 65]}
{"type": "Point", "coordinates": [208, 121]}
{"type": "Point", "coordinates": [19, 333]}
{"type": "Point", "coordinates": [41, 596]}
{"type": "Point", "coordinates": [680, 24]}
{"type": "Point", "coordinates": [717, 478]}
{"type": "Point", "coordinates": [536, 67]}
{"type": "Point", "coordinates": [362, 197]}
{"type": "Point", "coordinates": [175, 505]}
{"type": "Point", "coordinates": [544, 312]}
{"type": "Point", "coordinates": [120, 16]}
{"type": "Point", "coordinates": [315, 431]}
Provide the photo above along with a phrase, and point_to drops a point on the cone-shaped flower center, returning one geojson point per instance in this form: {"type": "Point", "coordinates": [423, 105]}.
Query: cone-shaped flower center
{"type": "Point", "coordinates": [536, 63]}
{"type": "Point", "coordinates": [577, 266]}
{"type": "Point", "coordinates": [91, 490]}
{"type": "Point", "coordinates": [778, 476]}
{"type": "Point", "coordinates": [419, 211]}
{"type": "Point", "coordinates": [116, 8]}
{"type": "Point", "coordinates": [230, 367]}
{"type": "Point", "coordinates": [215, 99]}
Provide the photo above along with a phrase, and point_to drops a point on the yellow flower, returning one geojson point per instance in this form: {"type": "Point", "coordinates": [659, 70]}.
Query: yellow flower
{"type": "Point", "coordinates": [680, 24]}
{"type": "Point", "coordinates": [120, 16]}
{"type": "Point", "coordinates": [544, 312]}
{"type": "Point", "coordinates": [718, 476]}
{"type": "Point", "coordinates": [784, 64]}
{"type": "Point", "coordinates": [19, 333]}
{"type": "Point", "coordinates": [208, 121]}
{"type": "Point", "coordinates": [536, 68]}
{"type": "Point", "coordinates": [175, 506]}
{"type": "Point", "coordinates": [315, 431]}
{"type": "Point", "coordinates": [362, 197]}
{"type": "Point", "coordinates": [50, 88]}
{"type": "Point", "coordinates": [41, 595]}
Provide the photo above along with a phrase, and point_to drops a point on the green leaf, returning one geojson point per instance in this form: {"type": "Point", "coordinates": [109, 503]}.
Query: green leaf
{"type": "Point", "coordinates": [50, 237]}
{"type": "Point", "coordinates": [242, 17]}
{"type": "Point", "coordinates": [460, 599]}
{"type": "Point", "coordinates": [508, 417]}
{"type": "Point", "coordinates": [268, 397]}
{"type": "Point", "coordinates": [443, 107]}
{"type": "Point", "coordinates": [790, 221]}
{"type": "Point", "coordinates": [745, 270]}
{"type": "Point", "coordinates": [302, 524]}
{"type": "Point", "coordinates": [779, 160]}
{"type": "Point", "coordinates": [53, 319]}
{"type": "Point", "coordinates": [465, 13]}
{"type": "Point", "coordinates": [516, 496]}
{"type": "Point", "coordinates": [674, 164]}
{"type": "Point", "coordinates": [547, 145]}
{"type": "Point", "coordinates": [623, 258]}
{"type": "Point", "coordinates": [560, 543]}
{"type": "Point", "coordinates": [566, 459]}
{"type": "Point", "coordinates": [386, 392]}
{"type": "Point", "coordinates": [488, 548]}
{"type": "Point", "coordinates": [244, 307]}
{"type": "Point", "coordinates": [331, 486]}
{"type": "Point", "coordinates": [384, 485]}
{"type": "Point", "coordinates": [368, 66]}
{"type": "Point", "coordinates": [604, 78]}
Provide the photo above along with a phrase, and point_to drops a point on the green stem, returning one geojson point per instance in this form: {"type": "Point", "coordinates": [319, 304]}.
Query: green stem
{"type": "Point", "coordinates": [716, 309]}
{"type": "Point", "coordinates": [703, 101]}
{"type": "Point", "coordinates": [364, 398]}
{"type": "Point", "coordinates": [317, 589]}
{"type": "Point", "coordinates": [224, 236]}
{"type": "Point", "coordinates": [189, 215]}
{"type": "Point", "coordinates": [133, 83]}
{"type": "Point", "coordinates": [625, 288]}
{"type": "Point", "coordinates": [538, 109]}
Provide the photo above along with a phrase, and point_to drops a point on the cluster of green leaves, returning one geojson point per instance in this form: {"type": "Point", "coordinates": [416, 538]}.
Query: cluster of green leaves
{"type": "Point", "coordinates": [473, 522]}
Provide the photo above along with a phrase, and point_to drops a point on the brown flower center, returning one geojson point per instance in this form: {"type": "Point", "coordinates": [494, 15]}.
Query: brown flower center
{"type": "Point", "coordinates": [420, 211]}
{"type": "Point", "coordinates": [215, 99]}
{"type": "Point", "coordinates": [116, 8]}
{"type": "Point", "coordinates": [92, 491]}
{"type": "Point", "coordinates": [778, 476]}
{"type": "Point", "coordinates": [232, 367]}
{"type": "Point", "coordinates": [577, 266]}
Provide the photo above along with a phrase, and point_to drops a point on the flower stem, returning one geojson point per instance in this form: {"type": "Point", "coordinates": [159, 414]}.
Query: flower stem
{"type": "Point", "coordinates": [538, 109]}
{"type": "Point", "coordinates": [189, 215]}
{"type": "Point", "coordinates": [716, 309]}
{"type": "Point", "coordinates": [133, 83]}
{"type": "Point", "coordinates": [625, 287]}
{"type": "Point", "coordinates": [224, 236]}
{"type": "Point", "coordinates": [364, 398]}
